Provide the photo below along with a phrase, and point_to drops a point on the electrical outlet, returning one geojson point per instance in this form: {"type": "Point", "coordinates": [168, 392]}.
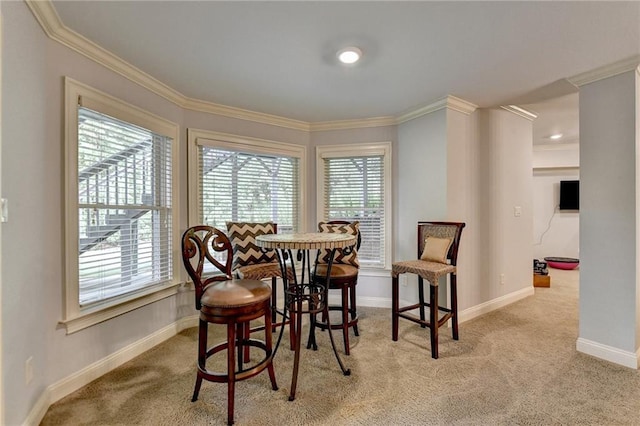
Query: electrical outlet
{"type": "Point", "coordinates": [501, 279]}
{"type": "Point", "coordinates": [28, 370]}
{"type": "Point", "coordinates": [403, 280]}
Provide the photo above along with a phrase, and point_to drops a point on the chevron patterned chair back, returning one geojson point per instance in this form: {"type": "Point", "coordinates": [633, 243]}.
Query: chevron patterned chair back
{"type": "Point", "coordinates": [255, 263]}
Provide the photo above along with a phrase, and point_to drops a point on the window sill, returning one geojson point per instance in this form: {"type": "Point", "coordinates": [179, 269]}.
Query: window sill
{"type": "Point", "coordinates": [101, 313]}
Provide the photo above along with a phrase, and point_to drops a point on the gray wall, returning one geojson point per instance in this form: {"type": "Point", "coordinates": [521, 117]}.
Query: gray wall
{"type": "Point", "coordinates": [421, 187]}
{"type": "Point", "coordinates": [473, 168]}
{"type": "Point", "coordinates": [446, 165]}
{"type": "Point", "coordinates": [608, 213]}
{"type": "Point", "coordinates": [31, 157]}
{"type": "Point", "coordinates": [32, 181]}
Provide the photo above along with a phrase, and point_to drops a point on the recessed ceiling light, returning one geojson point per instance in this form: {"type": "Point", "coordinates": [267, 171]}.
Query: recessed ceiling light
{"type": "Point", "coordinates": [556, 136]}
{"type": "Point", "coordinates": [349, 55]}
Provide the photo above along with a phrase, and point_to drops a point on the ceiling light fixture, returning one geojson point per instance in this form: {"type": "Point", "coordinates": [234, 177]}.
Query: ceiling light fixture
{"type": "Point", "coordinates": [349, 55]}
{"type": "Point", "coordinates": [556, 136]}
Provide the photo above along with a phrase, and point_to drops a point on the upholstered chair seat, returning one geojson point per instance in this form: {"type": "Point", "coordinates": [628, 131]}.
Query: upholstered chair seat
{"type": "Point", "coordinates": [338, 271]}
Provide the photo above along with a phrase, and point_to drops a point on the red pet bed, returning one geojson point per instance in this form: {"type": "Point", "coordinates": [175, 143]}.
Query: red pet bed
{"type": "Point", "coordinates": [562, 262]}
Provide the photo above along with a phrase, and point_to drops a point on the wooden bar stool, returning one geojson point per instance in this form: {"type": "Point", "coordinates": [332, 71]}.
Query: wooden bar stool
{"type": "Point", "coordinates": [438, 244]}
{"type": "Point", "coordinates": [231, 302]}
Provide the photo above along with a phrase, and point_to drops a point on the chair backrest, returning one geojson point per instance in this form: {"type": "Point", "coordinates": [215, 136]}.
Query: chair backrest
{"type": "Point", "coordinates": [243, 240]}
{"type": "Point", "coordinates": [345, 256]}
{"type": "Point", "coordinates": [451, 230]}
{"type": "Point", "coordinates": [200, 246]}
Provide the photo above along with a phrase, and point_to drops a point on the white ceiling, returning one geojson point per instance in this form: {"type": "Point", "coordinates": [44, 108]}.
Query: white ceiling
{"type": "Point", "coordinates": [279, 57]}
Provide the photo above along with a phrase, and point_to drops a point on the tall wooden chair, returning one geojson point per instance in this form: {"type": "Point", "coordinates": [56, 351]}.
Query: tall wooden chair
{"type": "Point", "coordinates": [438, 244]}
{"type": "Point", "coordinates": [228, 301]}
{"type": "Point", "coordinates": [344, 277]}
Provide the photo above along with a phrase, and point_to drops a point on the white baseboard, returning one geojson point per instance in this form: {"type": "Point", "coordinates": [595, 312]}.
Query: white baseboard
{"type": "Point", "coordinates": [81, 378]}
{"type": "Point", "coordinates": [375, 302]}
{"type": "Point", "coordinates": [368, 301]}
{"type": "Point", "coordinates": [492, 305]}
{"type": "Point", "coordinates": [608, 353]}
{"type": "Point", "coordinates": [465, 315]}
{"type": "Point", "coordinates": [39, 409]}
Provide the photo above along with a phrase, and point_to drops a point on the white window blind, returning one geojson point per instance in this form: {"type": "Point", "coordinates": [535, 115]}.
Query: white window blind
{"type": "Point", "coordinates": [124, 207]}
{"type": "Point", "coordinates": [354, 190]}
{"type": "Point", "coordinates": [250, 187]}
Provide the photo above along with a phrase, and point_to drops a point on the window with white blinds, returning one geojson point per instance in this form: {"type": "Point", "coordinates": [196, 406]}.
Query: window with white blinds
{"type": "Point", "coordinates": [120, 222]}
{"type": "Point", "coordinates": [124, 207]}
{"type": "Point", "coordinates": [353, 186]}
{"type": "Point", "coordinates": [238, 182]}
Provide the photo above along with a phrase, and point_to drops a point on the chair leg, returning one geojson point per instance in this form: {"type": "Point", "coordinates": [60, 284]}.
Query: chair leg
{"type": "Point", "coordinates": [433, 319]}
{"type": "Point", "coordinates": [268, 340]}
{"type": "Point", "coordinates": [231, 368]}
{"type": "Point", "coordinates": [202, 357]}
{"type": "Point", "coordinates": [345, 317]}
{"type": "Point", "coordinates": [274, 301]}
{"type": "Point", "coordinates": [394, 308]}
{"type": "Point", "coordinates": [454, 306]}
{"type": "Point", "coordinates": [354, 310]}
{"type": "Point", "coordinates": [241, 332]}
{"type": "Point", "coordinates": [421, 299]}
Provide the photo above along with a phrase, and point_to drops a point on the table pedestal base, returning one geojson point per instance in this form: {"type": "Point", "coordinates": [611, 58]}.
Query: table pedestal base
{"type": "Point", "coordinates": [305, 298]}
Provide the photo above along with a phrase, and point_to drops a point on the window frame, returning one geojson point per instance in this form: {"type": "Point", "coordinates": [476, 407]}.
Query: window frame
{"type": "Point", "coordinates": [198, 137]}
{"type": "Point", "coordinates": [75, 317]}
{"type": "Point", "coordinates": [359, 150]}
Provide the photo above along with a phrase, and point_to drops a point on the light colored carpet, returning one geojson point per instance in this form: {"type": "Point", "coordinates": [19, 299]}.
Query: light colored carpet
{"type": "Point", "coordinates": [514, 366]}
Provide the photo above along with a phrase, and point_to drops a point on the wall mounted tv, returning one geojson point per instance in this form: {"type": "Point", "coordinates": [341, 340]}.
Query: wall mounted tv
{"type": "Point", "coordinates": [569, 195]}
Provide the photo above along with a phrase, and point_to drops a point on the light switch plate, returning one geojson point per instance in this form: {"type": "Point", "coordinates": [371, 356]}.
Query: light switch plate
{"type": "Point", "coordinates": [4, 211]}
{"type": "Point", "coordinates": [517, 211]}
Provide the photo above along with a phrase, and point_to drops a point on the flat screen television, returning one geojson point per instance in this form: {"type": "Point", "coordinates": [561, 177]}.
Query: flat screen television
{"type": "Point", "coordinates": [569, 195]}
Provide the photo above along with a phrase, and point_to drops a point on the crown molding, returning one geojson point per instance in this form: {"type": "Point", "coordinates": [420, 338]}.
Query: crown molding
{"type": "Point", "coordinates": [243, 114]}
{"type": "Point", "coordinates": [55, 29]}
{"type": "Point", "coordinates": [520, 111]}
{"type": "Point", "coordinates": [450, 102]}
{"type": "Point", "coordinates": [606, 71]}
{"type": "Point", "coordinates": [46, 15]}
{"type": "Point", "coordinates": [460, 105]}
{"type": "Point", "coordinates": [50, 22]}
{"type": "Point", "coordinates": [353, 124]}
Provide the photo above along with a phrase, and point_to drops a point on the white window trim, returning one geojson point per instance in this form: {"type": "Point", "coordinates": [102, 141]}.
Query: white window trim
{"type": "Point", "coordinates": [75, 317]}
{"type": "Point", "coordinates": [197, 137]}
{"type": "Point", "coordinates": [348, 150]}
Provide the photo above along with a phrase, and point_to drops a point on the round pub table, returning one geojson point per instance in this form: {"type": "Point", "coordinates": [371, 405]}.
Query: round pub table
{"type": "Point", "coordinates": [303, 295]}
